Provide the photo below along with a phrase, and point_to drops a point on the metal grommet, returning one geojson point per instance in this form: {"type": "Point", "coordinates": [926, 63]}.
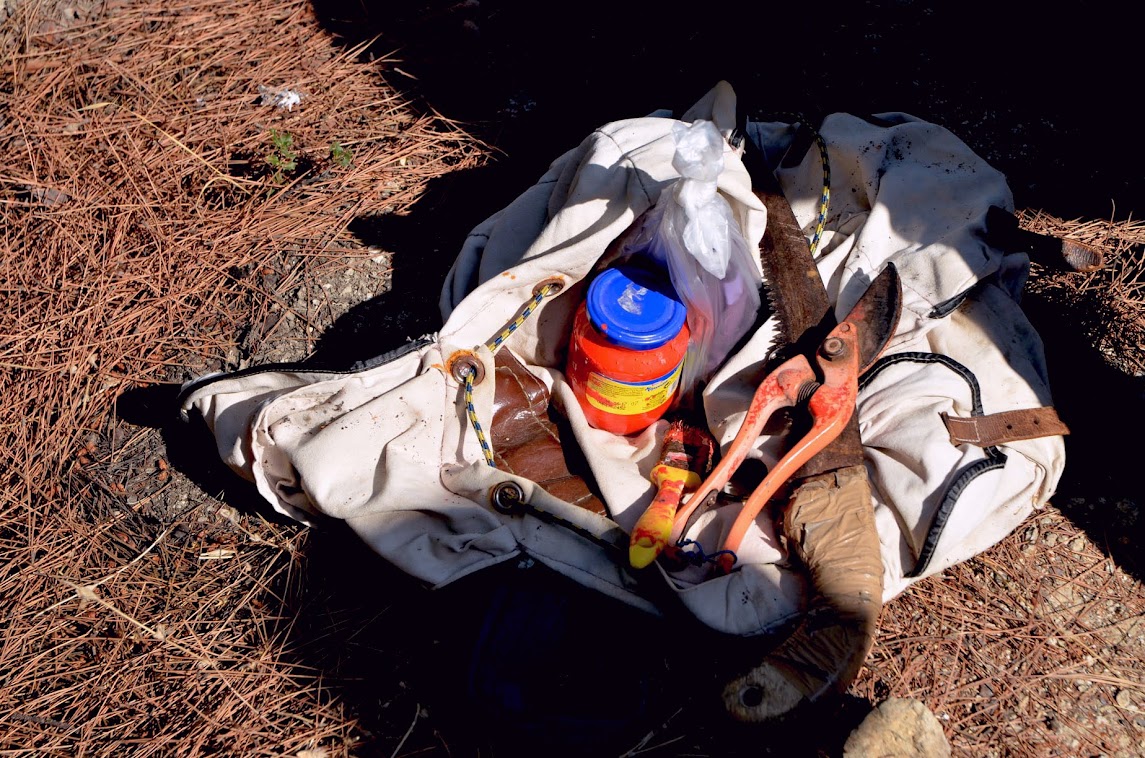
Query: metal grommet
{"type": "Point", "coordinates": [556, 282]}
{"type": "Point", "coordinates": [464, 363]}
{"type": "Point", "coordinates": [751, 696]}
{"type": "Point", "coordinates": [507, 497]}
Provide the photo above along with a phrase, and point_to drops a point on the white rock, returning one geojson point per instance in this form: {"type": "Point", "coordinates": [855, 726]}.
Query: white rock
{"type": "Point", "coordinates": [898, 728]}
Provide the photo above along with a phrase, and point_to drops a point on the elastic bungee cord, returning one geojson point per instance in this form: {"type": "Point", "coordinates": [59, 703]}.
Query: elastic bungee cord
{"type": "Point", "coordinates": [493, 345]}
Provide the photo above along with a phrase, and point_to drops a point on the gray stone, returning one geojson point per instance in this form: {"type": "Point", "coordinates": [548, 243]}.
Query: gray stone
{"type": "Point", "coordinates": [898, 728]}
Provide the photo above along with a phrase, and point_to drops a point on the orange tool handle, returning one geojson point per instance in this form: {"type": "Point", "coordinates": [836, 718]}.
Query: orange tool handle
{"type": "Point", "coordinates": [830, 407]}
{"type": "Point", "coordinates": [780, 389]}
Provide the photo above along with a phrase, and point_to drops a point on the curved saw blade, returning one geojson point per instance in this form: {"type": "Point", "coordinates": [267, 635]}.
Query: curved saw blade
{"type": "Point", "coordinates": [805, 315]}
{"type": "Point", "coordinates": [794, 289]}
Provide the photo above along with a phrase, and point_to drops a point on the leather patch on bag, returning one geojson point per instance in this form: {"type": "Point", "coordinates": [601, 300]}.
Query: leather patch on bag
{"type": "Point", "coordinates": [1000, 428]}
{"type": "Point", "coordinates": [525, 440]}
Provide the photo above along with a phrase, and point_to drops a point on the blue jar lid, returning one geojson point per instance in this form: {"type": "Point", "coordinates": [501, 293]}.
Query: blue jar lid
{"type": "Point", "coordinates": [634, 309]}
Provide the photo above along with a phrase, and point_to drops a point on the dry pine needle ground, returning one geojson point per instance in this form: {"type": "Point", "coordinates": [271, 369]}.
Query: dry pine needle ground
{"type": "Point", "coordinates": [153, 209]}
{"type": "Point", "coordinates": [162, 218]}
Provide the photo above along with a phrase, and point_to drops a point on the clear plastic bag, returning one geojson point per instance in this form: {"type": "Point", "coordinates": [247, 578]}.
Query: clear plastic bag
{"type": "Point", "coordinates": [691, 232]}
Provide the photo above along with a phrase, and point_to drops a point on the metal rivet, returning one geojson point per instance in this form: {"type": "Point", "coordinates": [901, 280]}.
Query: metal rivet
{"type": "Point", "coordinates": [464, 363]}
{"type": "Point", "coordinates": [507, 497]}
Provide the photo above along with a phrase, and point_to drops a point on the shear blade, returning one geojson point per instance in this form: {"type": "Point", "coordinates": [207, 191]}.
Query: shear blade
{"type": "Point", "coordinates": [876, 315]}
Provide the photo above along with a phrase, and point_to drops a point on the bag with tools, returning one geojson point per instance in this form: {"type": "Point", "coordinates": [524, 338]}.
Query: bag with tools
{"type": "Point", "coordinates": [886, 413]}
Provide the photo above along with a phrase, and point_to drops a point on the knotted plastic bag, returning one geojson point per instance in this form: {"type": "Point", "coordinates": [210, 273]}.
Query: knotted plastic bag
{"type": "Point", "coordinates": [691, 231]}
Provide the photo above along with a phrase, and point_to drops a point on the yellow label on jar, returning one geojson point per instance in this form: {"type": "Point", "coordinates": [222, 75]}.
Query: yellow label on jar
{"type": "Point", "coordinates": [631, 399]}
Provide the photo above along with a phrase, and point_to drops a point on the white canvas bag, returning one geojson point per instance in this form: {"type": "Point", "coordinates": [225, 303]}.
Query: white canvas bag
{"type": "Point", "coordinates": [390, 448]}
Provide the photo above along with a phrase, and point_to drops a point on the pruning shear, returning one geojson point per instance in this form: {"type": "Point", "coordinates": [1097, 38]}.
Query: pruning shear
{"type": "Point", "coordinates": [824, 380]}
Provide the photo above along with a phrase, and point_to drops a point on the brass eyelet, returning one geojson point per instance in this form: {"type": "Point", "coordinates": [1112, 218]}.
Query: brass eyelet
{"type": "Point", "coordinates": [556, 282]}
{"type": "Point", "coordinates": [466, 363]}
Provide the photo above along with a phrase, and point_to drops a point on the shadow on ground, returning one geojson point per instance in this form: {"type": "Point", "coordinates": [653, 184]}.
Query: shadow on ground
{"type": "Point", "coordinates": [518, 661]}
{"type": "Point", "coordinates": [424, 243]}
{"type": "Point", "coordinates": [1100, 489]}
{"type": "Point", "coordinates": [1034, 94]}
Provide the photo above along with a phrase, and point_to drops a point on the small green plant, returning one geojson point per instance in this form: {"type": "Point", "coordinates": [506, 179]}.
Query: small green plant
{"type": "Point", "coordinates": [341, 154]}
{"type": "Point", "coordinates": [282, 158]}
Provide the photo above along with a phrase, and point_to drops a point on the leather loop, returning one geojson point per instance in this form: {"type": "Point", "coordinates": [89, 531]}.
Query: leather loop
{"type": "Point", "coordinates": [526, 442]}
{"type": "Point", "coordinates": [1000, 428]}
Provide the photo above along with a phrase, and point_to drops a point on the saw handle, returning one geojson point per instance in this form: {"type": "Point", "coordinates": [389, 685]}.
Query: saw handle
{"type": "Point", "coordinates": [829, 525]}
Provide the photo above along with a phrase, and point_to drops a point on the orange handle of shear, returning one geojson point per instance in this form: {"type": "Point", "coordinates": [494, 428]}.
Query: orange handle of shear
{"type": "Point", "coordinates": [830, 408]}
{"type": "Point", "coordinates": [780, 389]}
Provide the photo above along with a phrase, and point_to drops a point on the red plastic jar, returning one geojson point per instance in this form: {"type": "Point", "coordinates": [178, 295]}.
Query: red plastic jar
{"type": "Point", "coordinates": [627, 350]}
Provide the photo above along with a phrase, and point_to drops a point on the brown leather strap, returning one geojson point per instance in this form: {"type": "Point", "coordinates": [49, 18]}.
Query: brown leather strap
{"type": "Point", "coordinates": [999, 428]}
{"type": "Point", "coordinates": [525, 440]}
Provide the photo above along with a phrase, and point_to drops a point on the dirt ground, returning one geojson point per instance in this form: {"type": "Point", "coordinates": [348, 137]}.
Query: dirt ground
{"type": "Point", "coordinates": [164, 218]}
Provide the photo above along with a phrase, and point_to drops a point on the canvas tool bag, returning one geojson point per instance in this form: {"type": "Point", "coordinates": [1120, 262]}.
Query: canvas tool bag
{"type": "Point", "coordinates": [960, 439]}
